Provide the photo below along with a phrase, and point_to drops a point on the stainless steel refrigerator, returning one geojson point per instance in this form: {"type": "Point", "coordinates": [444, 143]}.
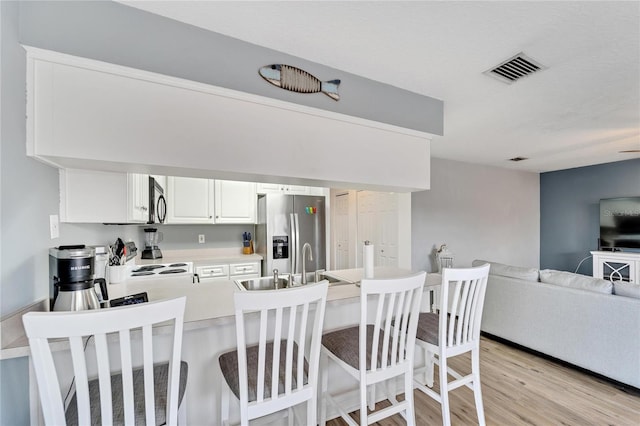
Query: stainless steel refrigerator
{"type": "Point", "coordinates": [285, 224]}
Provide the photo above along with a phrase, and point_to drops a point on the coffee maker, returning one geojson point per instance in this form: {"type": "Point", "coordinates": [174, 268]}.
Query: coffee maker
{"type": "Point", "coordinates": [151, 239]}
{"type": "Point", "coordinates": [72, 275]}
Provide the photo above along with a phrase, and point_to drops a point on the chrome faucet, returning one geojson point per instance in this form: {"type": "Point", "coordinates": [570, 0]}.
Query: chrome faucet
{"type": "Point", "coordinates": [304, 263]}
{"type": "Point", "coordinates": [275, 279]}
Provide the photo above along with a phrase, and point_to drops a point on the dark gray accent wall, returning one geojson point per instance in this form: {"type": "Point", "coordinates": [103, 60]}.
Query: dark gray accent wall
{"type": "Point", "coordinates": [119, 34]}
{"type": "Point", "coordinates": [570, 212]}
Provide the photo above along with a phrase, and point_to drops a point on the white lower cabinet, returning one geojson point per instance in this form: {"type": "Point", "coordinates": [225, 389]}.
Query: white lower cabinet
{"type": "Point", "coordinates": [88, 196]}
{"type": "Point", "coordinates": [617, 266]}
{"type": "Point", "coordinates": [251, 270]}
{"type": "Point", "coordinates": [190, 200]}
{"type": "Point", "coordinates": [213, 272]}
{"type": "Point", "coordinates": [228, 271]}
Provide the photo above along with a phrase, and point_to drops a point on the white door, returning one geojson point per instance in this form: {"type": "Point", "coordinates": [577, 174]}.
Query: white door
{"type": "Point", "coordinates": [378, 223]}
{"type": "Point", "coordinates": [189, 200]}
{"type": "Point", "coordinates": [235, 202]}
{"type": "Point", "coordinates": [387, 220]}
{"type": "Point", "coordinates": [367, 230]}
{"type": "Point", "coordinates": [341, 223]}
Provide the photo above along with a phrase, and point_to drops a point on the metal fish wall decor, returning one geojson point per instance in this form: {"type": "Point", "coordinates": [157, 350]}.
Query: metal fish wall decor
{"type": "Point", "coordinates": [297, 80]}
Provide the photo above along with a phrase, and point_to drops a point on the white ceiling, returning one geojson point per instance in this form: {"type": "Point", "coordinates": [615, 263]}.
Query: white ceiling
{"type": "Point", "coordinates": [582, 110]}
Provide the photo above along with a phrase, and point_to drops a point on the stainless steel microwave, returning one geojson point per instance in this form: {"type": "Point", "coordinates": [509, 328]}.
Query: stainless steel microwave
{"type": "Point", "coordinates": [157, 201]}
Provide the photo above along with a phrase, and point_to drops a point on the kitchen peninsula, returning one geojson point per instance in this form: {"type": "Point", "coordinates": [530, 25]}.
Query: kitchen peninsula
{"type": "Point", "coordinates": [209, 328]}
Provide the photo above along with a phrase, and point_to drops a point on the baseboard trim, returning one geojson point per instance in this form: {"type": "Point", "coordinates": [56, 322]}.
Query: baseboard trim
{"type": "Point", "coordinates": [624, 387]}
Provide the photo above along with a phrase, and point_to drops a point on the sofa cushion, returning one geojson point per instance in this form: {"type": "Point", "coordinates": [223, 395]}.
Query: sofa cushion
{"type": "Point", "coordinates": [581, 282]}
{"type": "Point", "coordinates": [623, 288]}
{"type": "Point", "coordinates": [528, 274]}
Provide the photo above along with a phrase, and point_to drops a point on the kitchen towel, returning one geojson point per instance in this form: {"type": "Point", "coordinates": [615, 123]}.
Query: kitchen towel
{"type": "Point", "coordinates": [367, 260]}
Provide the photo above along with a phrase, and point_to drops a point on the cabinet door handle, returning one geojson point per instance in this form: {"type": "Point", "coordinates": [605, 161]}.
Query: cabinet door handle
{"type": "Point", "coordinates": [143, 208]}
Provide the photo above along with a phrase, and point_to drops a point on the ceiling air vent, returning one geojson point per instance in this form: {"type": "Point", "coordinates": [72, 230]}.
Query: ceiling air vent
{"type": "Point", "coordinates": [515, 68]}
{"type": "Point", "coordinates": [518, 159]}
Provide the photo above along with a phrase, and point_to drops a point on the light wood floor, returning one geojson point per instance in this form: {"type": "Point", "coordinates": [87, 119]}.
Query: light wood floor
{"type": "Point", "coordinates": [519, 388]}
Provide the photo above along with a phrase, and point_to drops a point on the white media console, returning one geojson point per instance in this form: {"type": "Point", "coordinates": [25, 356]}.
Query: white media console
{"type": "Point", "coordinates": [617, 266]}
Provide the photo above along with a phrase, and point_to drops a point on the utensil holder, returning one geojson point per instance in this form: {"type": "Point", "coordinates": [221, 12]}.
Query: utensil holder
{"type": "Point", "coordinates": [117, 274]}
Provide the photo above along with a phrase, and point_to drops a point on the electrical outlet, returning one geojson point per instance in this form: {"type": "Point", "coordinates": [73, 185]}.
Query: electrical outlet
{"type": "Point", "coordinates": [54, 226]}
{"type": "Point", "coordinates": [201, 239]}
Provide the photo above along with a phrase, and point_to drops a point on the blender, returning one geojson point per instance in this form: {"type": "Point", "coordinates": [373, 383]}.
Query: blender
{"type": "Point", "coordinates": [151, 239]}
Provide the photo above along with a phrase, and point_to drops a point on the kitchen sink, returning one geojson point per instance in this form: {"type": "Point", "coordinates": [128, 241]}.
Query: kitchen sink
{"type": "Point", "coordinates": [263, 283]}
{"type": "Point", "coordinates": [267, 283]}
{"type": "Point", "coordinates": [312, 278]}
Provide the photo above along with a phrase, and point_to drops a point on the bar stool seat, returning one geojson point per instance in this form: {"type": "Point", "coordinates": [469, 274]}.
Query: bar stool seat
{"type": "Point", "coordinates": [160, 382]}
{"type": "Point", "coordinates": [229, 367]}
{"type": "Point", "coordinates": [340, 343]}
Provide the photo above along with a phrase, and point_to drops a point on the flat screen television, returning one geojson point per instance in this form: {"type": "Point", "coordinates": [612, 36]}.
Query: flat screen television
{"type": "Point", "coordinates": [620, 223]}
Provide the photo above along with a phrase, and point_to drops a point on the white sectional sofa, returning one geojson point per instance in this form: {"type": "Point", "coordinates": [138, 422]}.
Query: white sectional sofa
{"type": "Point", "coordinates": [574, 318]}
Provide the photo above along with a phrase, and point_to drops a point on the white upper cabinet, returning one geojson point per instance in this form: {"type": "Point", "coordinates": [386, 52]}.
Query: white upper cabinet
{"type": "Point", "coordinates": [190, 200]}
{"type": "Point", "coordinates": [138, 197]}
{"type": "Point", "coordinates": [103, 197]}
{"type": "Point", "coordinates": [276, 188]}
{"type": "Point", "coordinates": [196, 200]}
{"type": "Point", "coordinates": [235, 202]}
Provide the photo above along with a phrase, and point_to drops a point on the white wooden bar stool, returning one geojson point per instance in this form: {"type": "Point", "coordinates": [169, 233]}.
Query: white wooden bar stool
{"type": "Point", "coordinates": [377, 352]}
{"type": "Point", "coordinates": [281, 370]}
{"type": "Point", "coordinates": [148, 395]}
{"type": "Point", "coordinates": [455, 330]}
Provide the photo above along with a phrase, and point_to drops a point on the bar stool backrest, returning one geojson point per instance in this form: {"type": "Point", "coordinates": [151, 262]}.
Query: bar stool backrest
{"type": "Point", "coordinates": [290, 327]}
{"type": "Point", "coordinates": [397, 304]}
{"type": "Point", "coordinates": [106, 326]}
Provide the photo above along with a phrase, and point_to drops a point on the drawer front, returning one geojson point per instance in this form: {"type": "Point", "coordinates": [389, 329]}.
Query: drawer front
{"type": "Point", "coordinates": [214, 271]}
{"type": "Point", "coordinates": [245, 277]}
{"type": "Point", "coordinates": [244, 269]}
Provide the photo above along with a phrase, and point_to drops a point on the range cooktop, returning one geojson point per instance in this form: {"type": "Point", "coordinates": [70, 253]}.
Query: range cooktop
{"type": "Point", "coordinates": [160, 270]}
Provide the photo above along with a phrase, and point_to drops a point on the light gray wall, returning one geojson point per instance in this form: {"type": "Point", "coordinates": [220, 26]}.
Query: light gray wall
{"type": "Point", "coordinates": [119, 34]}
{"type": "Point", "coordinates": [29, 194]}
{"type": "Point", "coordinates": [180, 237]}
{"type": "Point", "coordinates": [29, 188]}
{"type": "Point", "coordinates": [480, 212]}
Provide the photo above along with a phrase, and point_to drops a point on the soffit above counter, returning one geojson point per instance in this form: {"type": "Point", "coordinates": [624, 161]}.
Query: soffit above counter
{"type": "Point", "coordinates": [90, 114]}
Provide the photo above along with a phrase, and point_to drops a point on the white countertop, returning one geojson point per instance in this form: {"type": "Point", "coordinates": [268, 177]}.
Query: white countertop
{"type": "Point", "coordinates": [210, 304]}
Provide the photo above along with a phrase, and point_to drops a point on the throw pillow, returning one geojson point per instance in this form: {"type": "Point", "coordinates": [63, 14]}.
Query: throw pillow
{"type": "Point", "coordinates": [622, 288]}
{"type": "Point", "coordinates": [581, 282]}
{"type": "Point", "coordinates": [528, 274]}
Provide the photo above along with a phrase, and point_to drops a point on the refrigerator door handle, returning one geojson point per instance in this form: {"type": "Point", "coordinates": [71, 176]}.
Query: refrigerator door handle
{"type": "Point", "coordinates": [295, 215]}
{"type": "Point", "coordinates": [294, 251]}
